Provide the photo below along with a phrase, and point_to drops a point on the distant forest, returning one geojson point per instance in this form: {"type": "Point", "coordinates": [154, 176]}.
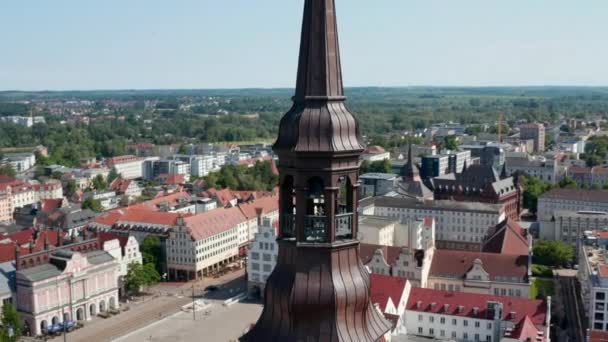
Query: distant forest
{"type": "Point", "coordinates": [381, 111]}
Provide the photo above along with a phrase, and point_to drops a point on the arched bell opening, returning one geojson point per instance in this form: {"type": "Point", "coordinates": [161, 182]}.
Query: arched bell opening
{"type": "Point", "coordinates": [315, 227]}
{"type": "Point", "coordinates": [345, 208]}
{"type": "Point", "coordinates": [287, 198]}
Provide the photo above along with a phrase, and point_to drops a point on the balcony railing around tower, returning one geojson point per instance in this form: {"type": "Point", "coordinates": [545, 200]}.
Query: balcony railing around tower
{"type": "Point", "coordinates": [315, 227]}
{"type": "Point", "coordinates": [344, 226]}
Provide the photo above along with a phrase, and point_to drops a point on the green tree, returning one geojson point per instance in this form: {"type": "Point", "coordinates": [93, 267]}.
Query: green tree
{"type": "Point", "coordinates": [70, 187]}
{"type": "Point", "coordinates": [381, 166]}
{"type": "Point", "coordinates": [7, 170]}
{"type": "Point", "coordinates": [139, 276]}
{"type": "Point", "coordinates": [56, 174]}
{"type": "Point", "coordinates": [552, 253]}
{"type": "Point", "coordinates": [567, 183]}
{"type": "Point", "coordinates": [113, 175]}
{"type": "Point", "coordinates": [10, 320]}
{"type": "Point", "coordinates": [533, 188]}
{"type": "Point", "coordinates": [92, 204]}
{"type": "Point", "coordinates": [99, 183]}
{"type": "Point", "coordinates": [151, 251]}
{"type": "Point", "coordinates": [450, 142]}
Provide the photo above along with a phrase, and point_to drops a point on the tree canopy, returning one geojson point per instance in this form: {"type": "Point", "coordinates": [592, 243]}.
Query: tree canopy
{"type": "Point", "coordinates": [139, 276]}
{"type": "Point", "coordinates": [533, 188]}
{"type": "Point", "coordinates": [151, 251]}
{"type": "Point", "coordinates": [381, 166]}
{"type": "Point", "coordinates": [7, 170]}
{"type": "Point", "coordinates": [552, 253]}
{"type": "Point", "coordinates": [92, 204]}
{"type": "Point", "coordinates": [10, 320]}
{"type": "Point", "coordinates": [99, 183]}
{"type": "Point", "coordinates": [258, 177]}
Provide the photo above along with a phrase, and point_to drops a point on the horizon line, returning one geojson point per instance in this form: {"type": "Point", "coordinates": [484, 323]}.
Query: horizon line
{"type": "Point", "coordinates": [293, 87]}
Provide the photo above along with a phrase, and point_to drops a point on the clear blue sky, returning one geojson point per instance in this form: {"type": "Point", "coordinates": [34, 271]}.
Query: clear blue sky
{"type": "Point", "coordinates": [145, 44]}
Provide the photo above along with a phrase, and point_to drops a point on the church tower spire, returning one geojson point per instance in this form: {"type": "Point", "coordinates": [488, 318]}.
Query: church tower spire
{"type": "Point", "coordinates": [319, 289]}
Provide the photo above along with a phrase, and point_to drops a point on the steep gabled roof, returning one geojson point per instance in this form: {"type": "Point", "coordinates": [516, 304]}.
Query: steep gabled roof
{"type": "Point", "coordinates": [390, 253]}
{"type": "Point", "coordinates": [508, 238]}
{"type": "Point", "coordinates": [456, 264]}
{"type": "Point", "coordinates": [525, 330]}
{"type": "Point", "coordinates": [264, 204]}
{"type": "Point", "coordinates": [383, 287]}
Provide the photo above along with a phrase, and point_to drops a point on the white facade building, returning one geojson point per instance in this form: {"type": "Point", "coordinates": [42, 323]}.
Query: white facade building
{"type": "Point", "coordinates": [457, 316]}
{"type": "Point", "coordinates": [593, 277]}
{"type": "Point", "coordinates": [20, 162]}
{"type": "Point", "coordinates": [261, 258]}
{"type": "Point", "coordinates": [454, 220]}
{"type": "Point", "coordinates": [128, 166]}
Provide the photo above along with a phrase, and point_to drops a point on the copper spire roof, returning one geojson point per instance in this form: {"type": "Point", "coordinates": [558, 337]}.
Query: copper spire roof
{"type": "Point", "coordinates": [319, 121]}
{"type": "Point", "coordinates": [319, 71]}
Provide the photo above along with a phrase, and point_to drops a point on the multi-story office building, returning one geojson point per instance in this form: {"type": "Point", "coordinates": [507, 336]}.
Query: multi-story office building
{"type": "Point", "coordinates": [536, 132]}
{"type": "Point", "coordinates": [459, 316]}
{"type": "Point", "coordinates": [377, 184]}
{"type": "Point", "coordinates": [593, 277]}
{"type": "Point", "coordinates": [19, 161]}
{"type": "Point", "coordinates": [570, 226]}
{"type": "Point", "coordinates": [434, 166]}
{"type": "Point", "coordinates": [457, 160]}
{"type": "Point", "coordinates": [454, 221]}
{"type": "Point", "coordinates": [127, 166]}
{"type": "Point", "coordinates": [540, 167]}
{"type": "Point", "coordinates": [571, 200]}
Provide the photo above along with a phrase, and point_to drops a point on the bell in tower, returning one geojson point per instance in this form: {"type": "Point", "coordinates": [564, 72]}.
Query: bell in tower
{"type": "Point", "coordinates": [319, 289]}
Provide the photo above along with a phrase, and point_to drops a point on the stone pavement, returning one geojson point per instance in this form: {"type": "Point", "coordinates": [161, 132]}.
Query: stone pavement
{"type": "Point", "coordinates": [168, 299]}
{"type": "Point", "coordinates": [221, 324]}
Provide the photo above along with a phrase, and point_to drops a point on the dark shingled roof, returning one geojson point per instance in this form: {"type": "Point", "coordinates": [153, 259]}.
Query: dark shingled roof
{"type": "Point", "coordinates": [577, 195]}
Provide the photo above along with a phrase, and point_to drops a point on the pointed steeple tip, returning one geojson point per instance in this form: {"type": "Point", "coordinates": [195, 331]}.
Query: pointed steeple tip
{"type": "Point", "coordinates": [319, 69]}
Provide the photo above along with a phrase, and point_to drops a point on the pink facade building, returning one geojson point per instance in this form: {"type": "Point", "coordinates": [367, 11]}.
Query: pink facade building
{"type": "Point", "coordinates": [72, 286]}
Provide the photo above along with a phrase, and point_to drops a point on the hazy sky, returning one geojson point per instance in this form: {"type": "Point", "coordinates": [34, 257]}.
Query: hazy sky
{"type": "Point", "coordinates": [144, 44]}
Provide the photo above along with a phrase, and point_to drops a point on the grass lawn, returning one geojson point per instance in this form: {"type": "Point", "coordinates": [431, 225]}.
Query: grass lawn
{"type": "Point", "coordinates": [541, 286]}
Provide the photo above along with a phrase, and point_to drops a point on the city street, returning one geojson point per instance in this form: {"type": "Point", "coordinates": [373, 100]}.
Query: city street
{"type": "Point", "coordinates": [165, 300]}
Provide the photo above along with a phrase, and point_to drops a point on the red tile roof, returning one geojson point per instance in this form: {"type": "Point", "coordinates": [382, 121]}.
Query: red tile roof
{"type": "Point", "coordinates": [120, 185]}
{"type": "Point", "coordinates": [172, 200]}
{"type": "Point", "coordinates": [222, 196]}
{"type": "Point", "coordinates": [375, 149]}
{"type": "Point", "coordinates": [106, 236]}
{"type": "Point", "coordinates": [383, 287]}
{"type": "Point", "coordinates": [598, 336]}
{"type": "Point", "coordinates": [525, 330]}
{"type": "Point", "coordinates": [265, 204]}
{"type": "Point", "coordinates": [171, 179]}
{"type": "Point", "coordinates": [137, 215]}
{"type": "Point", "coordinates": [603, 270]}
{"type": "Point", "coordinates": [508, 238]}
{"type": "Point", "coordinates": [534, 308]}
{"type": "Point", "coordinates": [456, 264]}
{"type": "Point", "coordinates": [123, 159]}
{"type": "Point", "coordinates": [49, 205]}
{"type": "Point", "coordinates": [367, 250]}
{"type": "Point", "coordinates": [213, 222]}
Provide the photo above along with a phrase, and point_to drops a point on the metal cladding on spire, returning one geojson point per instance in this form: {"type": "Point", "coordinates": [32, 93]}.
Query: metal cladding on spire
{"type": "Point", "coordinates": [319, 289]}
{"type": "Point", "coordinates": [318, 120]}
{"type": "Point", "coordinates": [319, 70]}
{"type": "Point", "coordinates": [409, 169]}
